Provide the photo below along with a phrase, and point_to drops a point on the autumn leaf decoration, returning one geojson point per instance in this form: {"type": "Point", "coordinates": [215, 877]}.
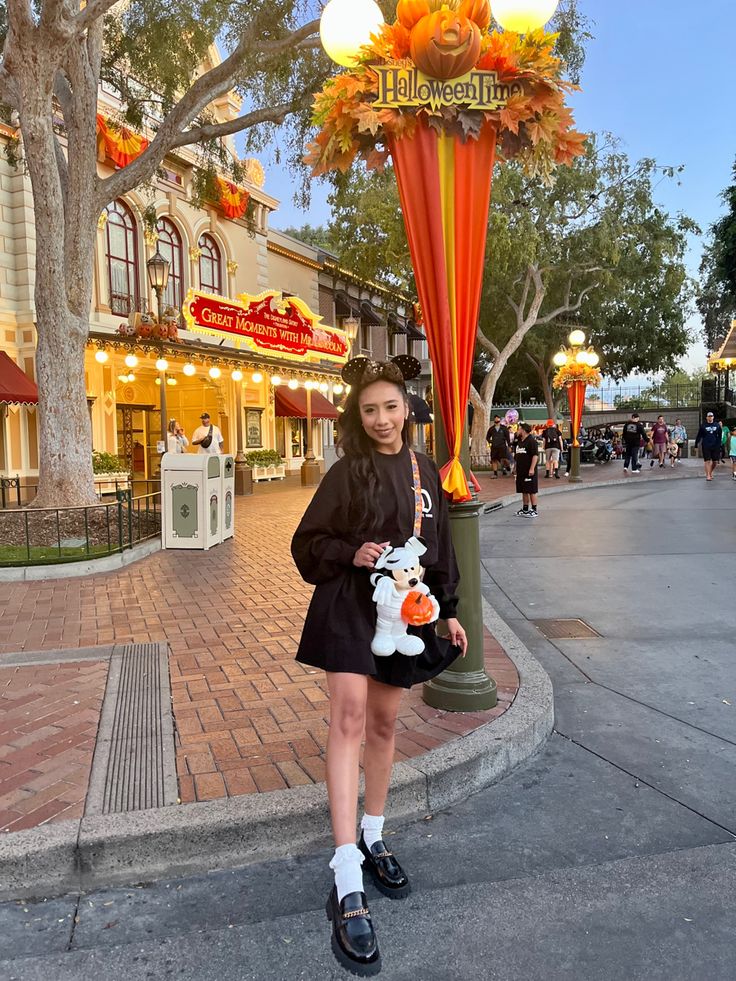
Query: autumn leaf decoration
{"type": "Point", "coordinates": [536, 126]}
{"type": "Point", "coordinates": [574, 372]}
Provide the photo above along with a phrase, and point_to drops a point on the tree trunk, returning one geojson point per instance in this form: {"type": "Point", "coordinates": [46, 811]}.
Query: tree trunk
{"type": "Point", "coordinates": [65, 432]}
{"type": "Point", "coordinates": [481, 423]}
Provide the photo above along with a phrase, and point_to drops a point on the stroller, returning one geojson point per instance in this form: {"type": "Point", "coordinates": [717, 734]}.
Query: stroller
{"type": "Point", "coordinates": [603, 450]}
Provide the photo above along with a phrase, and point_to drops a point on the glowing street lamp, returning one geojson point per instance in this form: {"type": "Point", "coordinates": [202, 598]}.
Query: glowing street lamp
{"type": "Point", "coordinates": [345, 26]}
{"type": "Point", "coordinates": [523, 16]}
{"type": "Point", "coordinates": [575, 367]}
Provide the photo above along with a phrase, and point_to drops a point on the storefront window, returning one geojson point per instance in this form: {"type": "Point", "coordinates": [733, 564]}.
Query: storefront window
{"type": "Point", "coordinates": [170, 247]}
{"type": "Point", "coordinates": [121, 257]}
{"type": "Point", "coordinates": [210, 266]}
{"type": "Point", "coordinates": [253, 430]}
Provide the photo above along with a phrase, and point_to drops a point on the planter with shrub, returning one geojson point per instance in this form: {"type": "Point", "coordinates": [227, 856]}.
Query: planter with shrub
{"type": "Point", "coordinates": [266, 464]}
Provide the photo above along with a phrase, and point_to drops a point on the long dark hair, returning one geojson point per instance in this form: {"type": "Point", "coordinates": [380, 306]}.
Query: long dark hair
{"type": "Point", "coordinates": [357, 447]}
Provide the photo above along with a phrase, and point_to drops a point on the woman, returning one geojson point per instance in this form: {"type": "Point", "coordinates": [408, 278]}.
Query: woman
{"type": "Point", "coordinates": [176, 441]}
{"type": "Point", "coordinates": [378, 494]}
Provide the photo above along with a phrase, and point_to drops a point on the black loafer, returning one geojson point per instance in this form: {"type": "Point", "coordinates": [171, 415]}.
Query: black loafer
{"type": "Point", "coordinates": [388, 875]}
{"type": "Point", "coordinates": [354, 941]}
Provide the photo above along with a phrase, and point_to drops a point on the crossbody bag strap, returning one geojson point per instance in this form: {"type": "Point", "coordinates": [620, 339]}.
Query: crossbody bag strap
{"type": "Point", "coordinates": [418, 503]}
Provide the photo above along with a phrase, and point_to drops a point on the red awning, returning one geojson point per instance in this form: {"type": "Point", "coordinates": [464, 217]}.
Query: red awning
{"type": "Point", "coordinates": [293, 403]}
{"type": "Point", "coordinates": [15, 387]}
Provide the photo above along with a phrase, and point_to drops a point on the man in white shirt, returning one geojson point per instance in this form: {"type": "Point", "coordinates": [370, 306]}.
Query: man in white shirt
{"type": "Point", "coordinates": [207, 437]}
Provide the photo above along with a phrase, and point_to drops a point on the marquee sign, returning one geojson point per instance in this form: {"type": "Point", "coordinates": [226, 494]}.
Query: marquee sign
{"type": "Point", "coordinates": [400, 85]}
{"type": "Point", "coordinates": [269, 324]}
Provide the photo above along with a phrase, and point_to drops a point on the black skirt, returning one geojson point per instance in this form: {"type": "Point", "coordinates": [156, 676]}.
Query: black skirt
{"type": "Point", "coordinates": [339, 629]}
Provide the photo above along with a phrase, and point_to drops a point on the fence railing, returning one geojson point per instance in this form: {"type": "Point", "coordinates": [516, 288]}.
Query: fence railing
{"type": "Point", "coordinates": [44, 536]}
{"type": "Point", "coordinates": [19, 492]}
{"type": "Point", "coordinates": [686, 396]}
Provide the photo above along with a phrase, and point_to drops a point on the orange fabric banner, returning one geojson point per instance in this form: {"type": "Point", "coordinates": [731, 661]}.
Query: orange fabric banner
{"type": "Point", "coordinates": [445, 190]}
{"type": "Point", "coordinates": [122, 145]}
{"type": "Point", "coordinates": [233, 199]}
{"type": "Point", "coordinates": [576, 401]}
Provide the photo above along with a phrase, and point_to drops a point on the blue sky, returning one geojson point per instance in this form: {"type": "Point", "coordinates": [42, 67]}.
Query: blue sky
{"type": "Point", "coordinates": [660, 75]}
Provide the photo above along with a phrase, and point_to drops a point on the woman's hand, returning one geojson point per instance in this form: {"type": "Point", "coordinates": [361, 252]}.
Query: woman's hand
{"type": "Point", "coordinates": [457, 635]}
{"type": "Point", "coordinates": [368, 554]}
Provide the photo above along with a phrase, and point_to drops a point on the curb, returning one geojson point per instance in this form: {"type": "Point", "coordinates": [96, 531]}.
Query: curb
{"type": "Point", "coordinates": [71, 856]}
{"type": "Point", "coordinates": [90, 567]}
{"type": "Point", "coordinates": [508, 499]}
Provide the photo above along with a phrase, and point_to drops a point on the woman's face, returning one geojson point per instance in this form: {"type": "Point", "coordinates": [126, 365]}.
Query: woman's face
{"type": "Point", "coordinates": [383, 413]}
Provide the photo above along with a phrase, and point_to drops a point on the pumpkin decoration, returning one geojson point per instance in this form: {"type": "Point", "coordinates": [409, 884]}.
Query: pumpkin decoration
{"type": "Point", "coordinates": [478, 11]}
{"type": "Point", "coordinates": [145, 329]}
{"type": "Point", "coordinates": [416, 610]}
{"type": "Point", "coordinates": [410, 12]}
{"type": "Point", "coordinates": [445, 44]}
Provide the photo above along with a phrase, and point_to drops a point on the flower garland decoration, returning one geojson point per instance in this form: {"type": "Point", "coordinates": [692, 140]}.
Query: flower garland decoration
{"type": "Point", "coordinates": [576, 372]}
{"type": "Point", "coordinates": [122, 145]}
{"type": "Point", "coordinates": [535, 126]}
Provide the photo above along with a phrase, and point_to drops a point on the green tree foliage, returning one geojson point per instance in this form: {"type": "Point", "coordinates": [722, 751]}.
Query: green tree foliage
{"type": "Point", "coordinates": [717, 287]}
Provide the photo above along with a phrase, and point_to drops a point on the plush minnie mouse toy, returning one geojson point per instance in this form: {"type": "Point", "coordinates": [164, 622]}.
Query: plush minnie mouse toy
{"type": "Point", "coordinates": [401, 599]}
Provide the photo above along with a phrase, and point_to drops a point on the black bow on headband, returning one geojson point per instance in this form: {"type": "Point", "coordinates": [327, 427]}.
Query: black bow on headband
{"type": "Point", "coordinates": [363, 371]}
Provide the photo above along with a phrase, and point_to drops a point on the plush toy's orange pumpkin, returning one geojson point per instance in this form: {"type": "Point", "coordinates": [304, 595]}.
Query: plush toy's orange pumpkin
{"type": "Point", "coordinates": [410, 12]}
{"type": "Point", "coordinates": [445, 44]}
{"type": "Point", "coordinates": [416, 609]}
{"type": "Point", "coordinates": [478, 11]}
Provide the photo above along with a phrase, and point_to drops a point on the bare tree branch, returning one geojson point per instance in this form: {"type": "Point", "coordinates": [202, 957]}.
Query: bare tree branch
{"type": "Point", "coordinates": [271, 114]}
{"type": "Point", "coordinates": [567, 308]}
{"type": "Point", "coordinates": [95, 10]}
{"type": "Point", "coordinates": [63, 170]}
{"type": "Point", "coordinates": [203, 91]}
{"type": "Point", "coordinates": [487, 344]}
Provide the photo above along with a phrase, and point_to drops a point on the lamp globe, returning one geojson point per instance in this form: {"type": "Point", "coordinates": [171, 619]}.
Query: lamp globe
{"type": "Point", "coordinates": [345, 26]}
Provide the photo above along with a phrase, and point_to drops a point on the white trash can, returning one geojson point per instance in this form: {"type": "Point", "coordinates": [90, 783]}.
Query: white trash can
{"type": "Point", "coordinates": [191, 496]}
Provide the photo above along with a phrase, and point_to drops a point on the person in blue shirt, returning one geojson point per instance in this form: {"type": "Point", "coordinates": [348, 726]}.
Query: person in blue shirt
{"type": "Point", "coordinates": [711, 436]}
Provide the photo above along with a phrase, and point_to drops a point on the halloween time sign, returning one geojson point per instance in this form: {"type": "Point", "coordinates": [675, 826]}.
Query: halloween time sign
{"type": "Point", "coordinates": [408, 86]}
{"type": "Point", "coordinates": [267, 323]}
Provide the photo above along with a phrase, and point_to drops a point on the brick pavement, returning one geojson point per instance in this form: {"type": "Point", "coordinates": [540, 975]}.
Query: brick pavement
{"type": "Point", "coordinates": [248, 717]}
{"type": "Point", "coordinates": [48, 726]}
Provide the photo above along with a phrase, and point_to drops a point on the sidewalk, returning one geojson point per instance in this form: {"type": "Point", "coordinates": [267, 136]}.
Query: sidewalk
{"type": "Point", "coordinates": [248, 719]}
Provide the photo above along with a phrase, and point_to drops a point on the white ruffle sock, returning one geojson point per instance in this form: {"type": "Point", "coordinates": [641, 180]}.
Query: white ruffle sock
{"type": "Point", "coordinates": [372, 828]}
{"type": "Point", "coordinates": [346, 864]}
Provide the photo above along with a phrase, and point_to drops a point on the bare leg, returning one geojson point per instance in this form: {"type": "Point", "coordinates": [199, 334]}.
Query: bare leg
{"type": "Point", "coordinates": [533, 498]}
{"type": "Point", "coordinates": [380, 734]}
{"type": "Point", "coordinates": [348, 696]}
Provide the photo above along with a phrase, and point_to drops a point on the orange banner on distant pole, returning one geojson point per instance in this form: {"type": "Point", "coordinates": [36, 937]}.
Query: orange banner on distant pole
{"type": "Point", "coordinates": [445, 190]}
{"type": "Point", "coordinates": [576, 401]}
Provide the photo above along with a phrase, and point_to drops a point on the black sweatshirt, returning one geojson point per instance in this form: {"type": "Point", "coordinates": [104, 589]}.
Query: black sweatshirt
{"type": "Point", "coordinates": [342, 615]}
{"type": "Point", "coordinates": [633, 434]}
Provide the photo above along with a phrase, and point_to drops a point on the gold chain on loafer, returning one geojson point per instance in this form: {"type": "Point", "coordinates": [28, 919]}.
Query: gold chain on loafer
{"type": "Point", "coordinates": [355, 912]}
{"type": "Point", "coordinates": [382, 855]}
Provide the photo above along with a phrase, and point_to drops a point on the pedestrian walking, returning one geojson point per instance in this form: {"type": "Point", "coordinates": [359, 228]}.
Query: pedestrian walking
{"type": "Point", "coordinates": [679, 434]}
{"type": "Point", "coordinates": [552, 449]}
{"type": "Point", "coordinates": [732, 451]}
{"type": "Point", "coordinates": [673, 451]}
{"type": "Point", "coordinates": [711, 437]}
{"type": "Point", "coordinates": [724, 440]}
{"type": "Point", "coordinates": [527, 458]}
{"type": "Point", "coordinates": [499, 441]}
{"type": "Point", "coordinates": [207, 437]}
{"type": "Point", "coordinates": [660, 437]}
{"type": "Point", "coordinates": [633, 435]}
{"type": "Point", "coordinates": [176, 441]}
{"type": "Point", "coordinates": [378, 510]}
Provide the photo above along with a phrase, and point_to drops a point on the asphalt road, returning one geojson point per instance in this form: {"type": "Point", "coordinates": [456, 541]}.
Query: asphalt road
{"type": "Point", "coordinates": [611, 856]}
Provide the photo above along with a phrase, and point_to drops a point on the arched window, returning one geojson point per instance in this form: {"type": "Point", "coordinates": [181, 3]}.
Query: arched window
{"type": "Point", "coordinates": [210, 265]}
{"type": "Point", "coordinates": [170, 247]}
{"type": "Point", "coordinates": [121, 258]}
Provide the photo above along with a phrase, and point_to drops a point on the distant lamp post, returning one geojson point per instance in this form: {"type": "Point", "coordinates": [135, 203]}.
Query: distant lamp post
{"type": "Point", "coordinates": [351, 326]}
{"type": "Point", "coordinates": [345, 26]}
{"type": "Point", "coordinates": [162, 366]}
{"type": "Point", "coordinates": [577, 367]}
{"type": "Point", "coordinates": [243, 473]}
{"type": "Point", "coordinates": [158, 276]}
{"type": "Point", "coordinates": [523, 16]}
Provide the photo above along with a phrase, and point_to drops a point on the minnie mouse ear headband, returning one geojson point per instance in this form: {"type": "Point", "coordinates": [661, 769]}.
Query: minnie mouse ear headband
{"type": "Point", "coordinates": [363, 371]}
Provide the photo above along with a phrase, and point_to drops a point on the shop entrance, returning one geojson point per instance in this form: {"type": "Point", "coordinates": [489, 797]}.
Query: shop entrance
{"type": "Point", "coordinates": [139, 430]}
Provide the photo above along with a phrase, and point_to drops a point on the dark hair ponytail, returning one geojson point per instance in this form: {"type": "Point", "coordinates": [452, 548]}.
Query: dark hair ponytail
{"type": "Point", "coordinates": [356, 446]}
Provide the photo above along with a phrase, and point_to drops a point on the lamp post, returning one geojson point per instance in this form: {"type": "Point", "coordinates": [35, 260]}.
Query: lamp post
{"type": "Point", "coordinates": [351, 326]}
{"type": "Point", "coordinates": [243, 473]}
{"type": "Point", "coordinates": [310, 468]}
{"type": "Point", "coordinates": [157, 268]}
{"type": "Point", "coordinates": [576, 368]}
{"type": "Point", "coordinates": [158, 276]}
